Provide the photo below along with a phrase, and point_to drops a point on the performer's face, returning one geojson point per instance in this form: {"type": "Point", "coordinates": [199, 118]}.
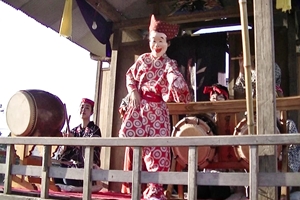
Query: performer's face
{"type": "Point", "coordinates": [85, 110]}
{"type": "Point", "coordinates": [217, 97]}
{"type": "Point", "coordinates": [158, 43]}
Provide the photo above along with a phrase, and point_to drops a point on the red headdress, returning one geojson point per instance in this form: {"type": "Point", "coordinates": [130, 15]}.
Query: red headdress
{"type": "Point", "coordinates": [171, 30]}
{"type": "Point", "coordinates": [88, 101]}
{"type": "Point", "coordinates": [219, 89]}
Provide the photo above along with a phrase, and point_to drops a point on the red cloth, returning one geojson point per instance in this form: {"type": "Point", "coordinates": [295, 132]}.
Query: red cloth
{"type": "Point", "coordinates": [151, 97]}
{"type": "Point", "coordinates": [88, 101]}
{"type": "Point", "coordinates": [212, 89]}
{"type": "Point", "coordinates": [171, 30]}
{"type": "Point", "coordinates": [126, 187]}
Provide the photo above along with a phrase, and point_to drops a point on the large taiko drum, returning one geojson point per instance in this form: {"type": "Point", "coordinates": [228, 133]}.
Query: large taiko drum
{"type": "Point", "coordinates": [242, 151]}
{"type": "Point", "coordinates": [35, 113]}
{"type": "Point", "coordinates": [194, 126]}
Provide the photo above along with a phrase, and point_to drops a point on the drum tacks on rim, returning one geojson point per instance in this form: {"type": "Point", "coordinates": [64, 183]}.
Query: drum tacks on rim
{"type": "Point", "coordinates": [193, 126]}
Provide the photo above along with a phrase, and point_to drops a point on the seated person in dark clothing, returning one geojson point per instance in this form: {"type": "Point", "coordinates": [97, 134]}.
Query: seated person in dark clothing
{"type": "Point", "coordinates": [73, 156]}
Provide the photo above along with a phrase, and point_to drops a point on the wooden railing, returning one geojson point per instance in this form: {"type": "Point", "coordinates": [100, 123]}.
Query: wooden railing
{"type": "Point", "coordinates": [229, 106]}
{"type": "Point", "coordinates": [190, 178]}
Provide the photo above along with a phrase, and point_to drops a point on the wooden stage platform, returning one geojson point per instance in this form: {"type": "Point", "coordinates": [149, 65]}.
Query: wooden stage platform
{"type": "Point", "coordinates": [103, 195]}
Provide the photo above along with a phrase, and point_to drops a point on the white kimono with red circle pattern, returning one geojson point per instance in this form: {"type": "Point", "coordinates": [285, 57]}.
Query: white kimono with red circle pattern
{"type": "Point", "coordinates": [151, 119]}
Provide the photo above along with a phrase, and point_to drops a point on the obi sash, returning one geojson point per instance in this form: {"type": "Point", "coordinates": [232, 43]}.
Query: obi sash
{"type": "Point", "coordinates": [151, 96]}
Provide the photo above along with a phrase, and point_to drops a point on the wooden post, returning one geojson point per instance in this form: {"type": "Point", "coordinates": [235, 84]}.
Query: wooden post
{"type": "Point", "coordinates": [45, 172]}
{"type": "Point", "coordinates": [284, 190]}
{"type": "Point", "coordinates": [107, 101]}
{"type": "Point", "coordinates": [298, 85]}
{"type": "Point", "coordinates": [175, 120]}
{"type": "Point", "coordinates": [192, 172]}
{"type": "Point", "coordinates": [136, 173]}
{"type": "Point", "coordinates": [265, 89]}
{"type": "Point", "coordinates": [253, 172]}
{"type": "Point", "coordinates": [98, 91]}
{"type": "Point", "coordinates": [292, 63]}
{"type": "Point", "coordinates": [88, 164]}
{"type": "Point", "coordinates": [8, 177]}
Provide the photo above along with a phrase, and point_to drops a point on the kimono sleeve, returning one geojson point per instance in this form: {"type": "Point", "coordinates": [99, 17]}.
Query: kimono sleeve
{"type": "Point", "coordinates": [240, 85]}
{"type": "Point", "coordinates": [132, 76]}
{"type": "Point", "coordinates": [177, 87]}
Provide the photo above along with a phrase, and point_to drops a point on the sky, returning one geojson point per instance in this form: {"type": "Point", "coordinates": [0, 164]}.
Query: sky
{"type": "Point", "coordinates": [33, 56]}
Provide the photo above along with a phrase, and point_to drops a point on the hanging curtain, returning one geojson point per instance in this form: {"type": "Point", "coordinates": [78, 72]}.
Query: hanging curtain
{"type": "Point", "coordinates": [66, 21]}
{"type": "Point", "coordinates": [104, 28]}
{"type": "Point", "coordinates": [284, 5]}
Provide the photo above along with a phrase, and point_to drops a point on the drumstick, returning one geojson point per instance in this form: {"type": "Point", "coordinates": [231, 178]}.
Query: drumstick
{"type": "Point", "coordinates": [236, 58]}
{"type": "Point", "coordinates": [240, 57]}
{"type": "Point", "coordinates": [67, 119]}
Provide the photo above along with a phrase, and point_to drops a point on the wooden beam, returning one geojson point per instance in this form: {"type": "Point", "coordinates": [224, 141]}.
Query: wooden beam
{"type": "Point", "coordinates": [265, 90]}
{"type": "Point", "coordinates": [229, 106]}
{"type": "Point", "coordinates": [215, 23]}
{"type": "Point", "coordinates": [159, 1]}
{"type": "Point", "coordinates": [228, 12]}
{"type": "Point", "coordinates": [105, 8]}
{"type": "Point", "coordinates": [220, 140]}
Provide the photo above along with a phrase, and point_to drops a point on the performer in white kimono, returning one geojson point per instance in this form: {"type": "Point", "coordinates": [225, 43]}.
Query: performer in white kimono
{"type": "Point", "coordinates": [151, 81]}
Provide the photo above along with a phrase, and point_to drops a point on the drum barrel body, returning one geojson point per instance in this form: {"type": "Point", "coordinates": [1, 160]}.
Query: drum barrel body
{"type": "Point", "coordinates": [35, 113]}
{"type": "Point", "coordinates": [242, 151]}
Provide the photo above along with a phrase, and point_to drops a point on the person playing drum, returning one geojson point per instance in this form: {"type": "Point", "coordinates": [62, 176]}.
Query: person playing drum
{"type": "Point", "coordinates": [73, 156]}
{"type": "Point", "coordinates": [294, 149]}
{"type": "Point", "coordinates": [240, 85]}
{"type": "Point", "coordinates": [151, 81]}
{"type": "Point", "coordinates": [218, 92]}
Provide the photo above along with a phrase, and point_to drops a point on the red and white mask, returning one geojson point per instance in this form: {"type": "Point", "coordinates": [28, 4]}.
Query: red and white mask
{"type": "Point", "coordinates": [159, 34]}
{"type": "Point", "coordinates": [158, 43]}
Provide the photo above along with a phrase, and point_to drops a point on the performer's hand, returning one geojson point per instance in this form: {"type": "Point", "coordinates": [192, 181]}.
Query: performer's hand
{"type": "Point", "coordinates": [135, 99]}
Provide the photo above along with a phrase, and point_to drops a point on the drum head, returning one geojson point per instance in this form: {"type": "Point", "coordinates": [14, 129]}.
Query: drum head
{"type": "Point", "coordinates": [192, 126]}
{"type": "Point", "coordinates": [242, 151]}
{"type": "Point", "coordinates": [21, 114]}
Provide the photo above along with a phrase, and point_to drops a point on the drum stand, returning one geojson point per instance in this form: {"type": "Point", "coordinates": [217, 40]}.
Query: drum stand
{"type": "Point", "coordinates": [30, 155]}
